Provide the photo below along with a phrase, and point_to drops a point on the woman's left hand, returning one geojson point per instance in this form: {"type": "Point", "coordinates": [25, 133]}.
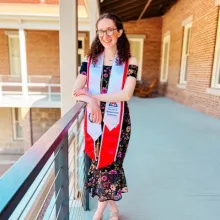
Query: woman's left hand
{"type": "Point", "coordinates": [81, 92]}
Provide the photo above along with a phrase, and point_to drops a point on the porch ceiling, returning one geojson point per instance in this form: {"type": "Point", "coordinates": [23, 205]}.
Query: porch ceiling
{"type": "Point", "coordinates": [132, 9]}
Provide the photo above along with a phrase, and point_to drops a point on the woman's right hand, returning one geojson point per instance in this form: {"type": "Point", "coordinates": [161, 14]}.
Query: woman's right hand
{"type": "Point", "coordinates": [96, 114]}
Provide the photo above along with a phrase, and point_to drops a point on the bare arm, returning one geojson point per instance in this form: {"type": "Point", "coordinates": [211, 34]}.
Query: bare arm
{"type": "Point", "coordinates": [80, 84]}
{"type": "Point", "coordinates": [123, 95]}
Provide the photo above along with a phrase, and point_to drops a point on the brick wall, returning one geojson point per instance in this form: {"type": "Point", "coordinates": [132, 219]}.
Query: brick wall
{"type": "Point", "coordinates": [43, 52]}
{"type": "Point", "coordinates": [42, 120]}
{"type": "Point", "coordinates": [151, 28]}
{"type": "Point", "coordinates": [202, 48]}
{"type": "Point", "coordinates": [7, 143]}
{"type": "Point", "coordinates": [6, 125]}
{"type": "Point", "coordinates": [4, 55]}
{"type": "Point", "coordinates": [86, 43]}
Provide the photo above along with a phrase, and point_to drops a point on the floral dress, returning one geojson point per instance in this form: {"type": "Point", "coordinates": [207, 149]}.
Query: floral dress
{"type": "Point", "coordinates": [109, 183]}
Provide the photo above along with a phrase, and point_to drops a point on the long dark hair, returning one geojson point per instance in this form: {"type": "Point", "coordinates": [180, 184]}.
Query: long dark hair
{"type": "Point", "coordinates": [123, 45]}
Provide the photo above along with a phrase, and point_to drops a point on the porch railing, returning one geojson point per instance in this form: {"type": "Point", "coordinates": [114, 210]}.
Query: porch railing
{"type": "Point", "coordinates": [47, 181]}
{"type": "Point", "coordinates": [36, 85]}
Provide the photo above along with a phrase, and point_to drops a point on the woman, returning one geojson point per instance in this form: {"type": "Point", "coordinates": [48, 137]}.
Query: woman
{"type": "Point", "coordinates": [110, 75]}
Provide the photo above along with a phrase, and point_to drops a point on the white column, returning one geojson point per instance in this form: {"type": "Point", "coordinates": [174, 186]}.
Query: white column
{"type": "Point", "coordinates": [23, 57]}
{"type": "Point", "coordinates": [94, 14]}
{"type": "Point", "coordinates": [68, 51]}
{"type": "Point", "coordinates": [27, 130]}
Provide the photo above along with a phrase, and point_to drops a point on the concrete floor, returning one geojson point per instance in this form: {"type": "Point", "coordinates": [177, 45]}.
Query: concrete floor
{"type": "Point", "coordinates": [6, 161]}
{"type": "Point", "coordinates": [172, 166]}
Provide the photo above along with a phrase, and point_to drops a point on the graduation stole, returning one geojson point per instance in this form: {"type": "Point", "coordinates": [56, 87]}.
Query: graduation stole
{"type": "Point", "coordinates": [113, 116]}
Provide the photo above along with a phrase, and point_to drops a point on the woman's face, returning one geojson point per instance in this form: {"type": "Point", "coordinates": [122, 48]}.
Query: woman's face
{"type": "Point", "coordinates": [108, 33]}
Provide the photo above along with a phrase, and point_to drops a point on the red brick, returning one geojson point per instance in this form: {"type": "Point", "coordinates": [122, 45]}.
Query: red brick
{"type": "Point", "coordinates": [202, 48]}
{"type": "Point", "coordinates": [4, 54]}
{"type": "Point", "coordinates": [151, 28]}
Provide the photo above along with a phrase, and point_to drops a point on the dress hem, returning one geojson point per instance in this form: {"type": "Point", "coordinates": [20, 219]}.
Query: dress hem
{"type": "Point", "coordinates": [95, 194]}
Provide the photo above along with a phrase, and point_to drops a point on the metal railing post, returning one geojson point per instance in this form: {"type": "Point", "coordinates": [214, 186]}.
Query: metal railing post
{"type": "Point", "coordinates": [62, 181]}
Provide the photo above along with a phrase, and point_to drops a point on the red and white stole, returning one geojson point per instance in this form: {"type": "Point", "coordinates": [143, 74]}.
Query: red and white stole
{"type": "Point", "coordinates": [113, 116]}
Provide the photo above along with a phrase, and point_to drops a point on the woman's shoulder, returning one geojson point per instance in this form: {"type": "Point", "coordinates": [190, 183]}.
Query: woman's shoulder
{"type": "Point", "coordinates": [133, 61]}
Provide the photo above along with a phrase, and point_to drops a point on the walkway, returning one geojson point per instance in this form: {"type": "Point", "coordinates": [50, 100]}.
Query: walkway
{"type": "Point", "coordinates": [173, 165]}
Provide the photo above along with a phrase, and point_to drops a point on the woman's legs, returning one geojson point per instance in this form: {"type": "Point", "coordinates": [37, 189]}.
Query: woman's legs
{"type": "Point", "coordinates": [100, 210]}
{"type": "Point", "coordinates": [114, 213]}
{"type": "Point", "coordinates": [113, 206]}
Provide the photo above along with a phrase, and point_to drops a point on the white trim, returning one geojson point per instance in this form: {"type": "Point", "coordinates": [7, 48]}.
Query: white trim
{"type": "Point", "coordinates": [34, 101]}
{"type": "Point", "coordinates": [23, 57]}
{"type": "Point", "coordinates": [81, 51]}
{"type": "Point", "coordinates": [181, 86]}
{"type": "Point", "coordinates": [14, 122]}
{"type": "Point", "coordinates": [213, 91]}
{"type": "Point", "coordinates": [185, 55]}
{"type": "Point", "coordinates": [13, 35]}
{"type": "Point", "coordinates": [216, 65]}
{"type": "Point", "coordinates": [93, 16]}
{"type": "Point", "coordinates": [217, 2]}
{"type": "Point", "coordinates": [137, 36]}
{"type": "Point", "coordinates": [16, 23]}
{"type": "Point", "coordinates": [140, 39]}
{"type": "Point", "coordinates": [187, 21]}
{"type": "Point", "coordinates": [166, 40]}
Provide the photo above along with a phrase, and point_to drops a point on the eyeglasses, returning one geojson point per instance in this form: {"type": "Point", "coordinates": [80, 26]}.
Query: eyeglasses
{"type": "Point", "coordinates": [109, 32]}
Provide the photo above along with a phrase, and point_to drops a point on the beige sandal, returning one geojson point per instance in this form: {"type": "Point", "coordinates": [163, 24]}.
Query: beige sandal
{"type": "Point", "coordinates": [114, 214]}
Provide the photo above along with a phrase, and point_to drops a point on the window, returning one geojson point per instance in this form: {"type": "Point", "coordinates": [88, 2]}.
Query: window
{"type": "Point", "coordinates": [137, 46]}
{"type": "Point", "coordinates": [216, 64]}
{"type": "Point", "coordinates": [165, 58]}
{"type": "Point", "coordinates": [80, 51]}
{"type": "Point", "coordinates": [16, 123]}
{"type": "Point", "coordinates": [185, 53]}
{"type": "Point", "coordinates": [14, 54]}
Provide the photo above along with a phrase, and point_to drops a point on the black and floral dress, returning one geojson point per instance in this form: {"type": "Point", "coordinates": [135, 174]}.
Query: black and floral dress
{"type": "Point", "coordinates": [109, 183]}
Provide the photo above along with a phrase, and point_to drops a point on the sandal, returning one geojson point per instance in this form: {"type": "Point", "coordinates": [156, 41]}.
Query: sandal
{"type": "Point", "coordinates": [114, 215]}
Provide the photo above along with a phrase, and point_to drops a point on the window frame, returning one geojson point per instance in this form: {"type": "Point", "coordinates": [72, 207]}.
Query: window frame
{"type": "Point", "coordinates": [14, 123]}
{"type": "Point", "coordinates": [166, 39]}
{"type": "Point", "coordinates": [138, 38]}
{"type": "Point", "coordinates": [13, 35]}
{"type": "Point", "coordinates": [81, 51]}
{"type": "Point", "coordinates": [186, 42]}
{"type": "Point", "coordinates": [215, 83]}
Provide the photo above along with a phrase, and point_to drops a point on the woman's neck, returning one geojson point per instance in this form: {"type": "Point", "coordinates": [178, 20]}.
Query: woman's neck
{"type": "Point", "coordinates": [110, 54]}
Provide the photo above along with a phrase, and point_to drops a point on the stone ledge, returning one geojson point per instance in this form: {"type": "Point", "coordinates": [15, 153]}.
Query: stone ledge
{"type": "Point", "coordinates": [213, 91]}
{"type": "Point", "coordinates": [12, 150]}
{"type": "Point", "coordinates": [181, 86]}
